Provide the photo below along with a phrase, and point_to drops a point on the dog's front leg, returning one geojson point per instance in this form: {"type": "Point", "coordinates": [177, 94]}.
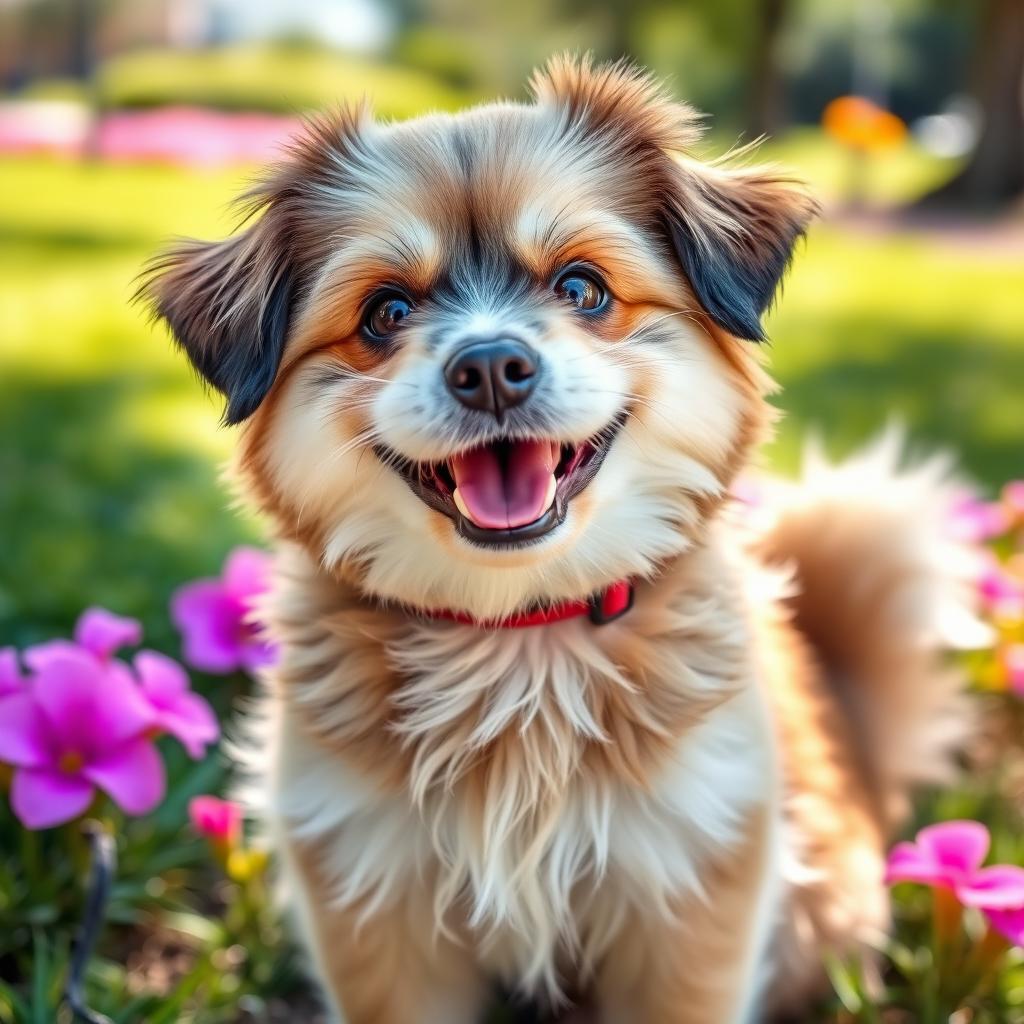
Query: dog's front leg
{"type": "Point", "coordinates": [388, 967]}
{"type": "Point", "coordinates": [703, 966]}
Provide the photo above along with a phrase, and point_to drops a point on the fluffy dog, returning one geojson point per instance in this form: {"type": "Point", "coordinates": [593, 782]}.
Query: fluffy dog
{"type": "Point", "coordinates": [546, 714]}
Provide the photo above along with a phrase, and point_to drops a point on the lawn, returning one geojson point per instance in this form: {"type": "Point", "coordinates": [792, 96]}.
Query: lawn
{"type": "Point", "coordinates": [109, 489]}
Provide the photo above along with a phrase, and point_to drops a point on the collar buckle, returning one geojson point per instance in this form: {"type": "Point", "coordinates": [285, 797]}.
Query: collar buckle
{"type": "Point", "coordinates": [611, 604]}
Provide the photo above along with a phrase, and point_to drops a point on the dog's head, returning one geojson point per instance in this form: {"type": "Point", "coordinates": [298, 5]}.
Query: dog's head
{"type": "Point", "coordinates": [499, 357]}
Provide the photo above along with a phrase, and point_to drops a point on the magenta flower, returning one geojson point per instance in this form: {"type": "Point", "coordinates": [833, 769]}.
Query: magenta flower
{"type": "Point", "coordinates": [1001, 591]}
{"type": "Point", "coordinates": [97, 632]}
{"type": "Point", "coordinates": [10, 672]}
{"type": "Point", "coordinates": [80, 725]}
{"type": "Point", "coordinates": [215, 616]}
{"type": "Point", "coordinates": [177, 710]}
{"type": "Point", "coordinates": [950, 856]}
{"type": "Point", "coordinates": [1009, 924]}
{"type": "Point", "coordinates": [218, 820]}
{"type": "Point", "coordinates": [974, 521]}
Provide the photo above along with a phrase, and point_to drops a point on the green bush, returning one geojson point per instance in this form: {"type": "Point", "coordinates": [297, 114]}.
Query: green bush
{"type": "Point", "coordinates": [278, 79]}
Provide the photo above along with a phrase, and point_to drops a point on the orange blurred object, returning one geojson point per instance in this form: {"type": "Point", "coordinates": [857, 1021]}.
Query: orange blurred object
{"type": "Point", "coordinates": [858, 122]}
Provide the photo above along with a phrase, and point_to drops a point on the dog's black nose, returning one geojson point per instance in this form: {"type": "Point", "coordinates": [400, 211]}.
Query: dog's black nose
{"type": "Point", "coordinates": [493, 375]}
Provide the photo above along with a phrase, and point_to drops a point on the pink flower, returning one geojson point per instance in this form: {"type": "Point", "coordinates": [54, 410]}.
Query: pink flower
{"type": "Point", "coordinates": [1013, 499]}
{"type": "Point", "coordinates": [1012, 657]}
{"type": "Point", "coordinates": [10, 672]}
{"type": "Point", "coordinates": [974, 521]}
{"type": "Point", "coordinates": [1009, 924]}
{"type": "Point", "coordinates": [97, 632]}
{"type": "Point", "coordinates": [1001, 591]}
{"type": "Point", "coordinates": [178, 711]}
{"type": "Point", "coordinates": [218, 820]}
{"type": "Point", "coordinates": [215, 615]}
{"type": "Point", "coordinates": [949, 856]}
{"type": "Point", "coordinates": [78, 726]}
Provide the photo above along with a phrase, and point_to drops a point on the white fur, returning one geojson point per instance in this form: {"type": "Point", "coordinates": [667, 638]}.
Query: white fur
{"type": "Point", "coordinates": [539, 887]}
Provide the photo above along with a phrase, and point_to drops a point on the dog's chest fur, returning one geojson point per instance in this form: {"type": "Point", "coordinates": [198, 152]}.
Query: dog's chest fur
{"type": "Point", "coordinates": [539, 782]}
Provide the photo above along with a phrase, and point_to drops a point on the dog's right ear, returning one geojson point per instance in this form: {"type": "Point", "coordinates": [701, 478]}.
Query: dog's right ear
{"type": "Point", "coordinates": [228, 305]}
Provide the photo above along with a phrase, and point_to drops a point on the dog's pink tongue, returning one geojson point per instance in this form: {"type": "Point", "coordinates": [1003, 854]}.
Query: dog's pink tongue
{"type": "Point", "coordinates": [501, 498]}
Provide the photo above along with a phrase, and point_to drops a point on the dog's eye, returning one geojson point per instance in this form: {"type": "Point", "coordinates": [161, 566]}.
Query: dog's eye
{"type": "Point", "coordinates": [385, 313]}
{"type": "Point", "coordinates": [583, 290]}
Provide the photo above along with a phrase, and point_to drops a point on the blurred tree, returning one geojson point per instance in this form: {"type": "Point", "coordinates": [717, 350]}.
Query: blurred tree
{"type": "Point", "coordinates": [994, 174]}
{"type": "Point", "coordinates": [766, 96]}
{"type": "Point", "coordinates": [82, 29]}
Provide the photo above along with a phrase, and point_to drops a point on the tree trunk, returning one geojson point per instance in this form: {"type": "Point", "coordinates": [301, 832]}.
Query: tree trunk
{"type": "Point", "coordinates": [765, 113]}
{"type": "Point", "coordinates": [994, 174]}
{"type": "Point", "coordinates": [82, 26]}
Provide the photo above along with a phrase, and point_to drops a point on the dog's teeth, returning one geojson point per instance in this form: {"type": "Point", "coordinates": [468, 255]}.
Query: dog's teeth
{"type": "Point", "coordinates": [460, 504]}
{"type": "Point", "coordinates": [549, 498]}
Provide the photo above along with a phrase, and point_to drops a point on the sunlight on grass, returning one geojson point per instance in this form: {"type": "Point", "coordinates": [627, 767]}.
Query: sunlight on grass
{"type": "Point", "coordinates": [924, 329]}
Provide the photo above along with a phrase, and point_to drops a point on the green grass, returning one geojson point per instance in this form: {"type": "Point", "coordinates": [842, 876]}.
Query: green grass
{"type": "Point", "coordinates": [109, 487]}
{"type": "Point", "coordinates": [922, 329]}
{"type": "Point", "coordinates": [109, 464]}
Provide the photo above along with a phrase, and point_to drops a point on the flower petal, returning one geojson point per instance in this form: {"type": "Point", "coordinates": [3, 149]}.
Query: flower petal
{"type": "Point", "coordinates": [44, 797]}
{"type": "Point", "coordinates": [259, 653]}
{"type": "Point", "coordinates": [10, 672]}
{"type": "Point", "coordinates": [38, 656]}
{"type": "Point", "coordinates": [24, 734]}
{"type": "Point", "coordinates": [246, 574]}
{"type": "Point", "coordinates": [1009, 924]}
{"type": "Point", "coordinates": [973, 521]}
{"type": "Point", "coordinates": [132, 774]}
{"type": "Point", "coordinates": [163, 679]}
{"type": "Point", "coordinates": [909, 863]}
{"type": "Point", "coordinates": [210, 621]}
{"type": "Point", "coordinates": [90, 705]}
{"type": "Point", "coordinates": [1000, 887]}
{"type": "Point", "coordinates": [960, 846]}
{"type": "Point", "coordinates": [103, 632]}
{"type": "Point", "coordinates": [215, 818]}
{"type": "Point", "coordinates": [191, 722]}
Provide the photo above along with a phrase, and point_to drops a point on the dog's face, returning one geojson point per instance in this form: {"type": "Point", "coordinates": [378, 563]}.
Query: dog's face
{"type": "Point", "coordinates": [498, 357]}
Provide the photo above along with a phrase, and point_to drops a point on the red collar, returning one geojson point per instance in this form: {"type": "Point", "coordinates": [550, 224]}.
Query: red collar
{"type": "Point", "coordinates": [603, 607]}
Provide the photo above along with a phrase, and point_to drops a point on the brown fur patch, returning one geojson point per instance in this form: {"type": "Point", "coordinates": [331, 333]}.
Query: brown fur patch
{"type": "Point", "coordinates": [831, 808]}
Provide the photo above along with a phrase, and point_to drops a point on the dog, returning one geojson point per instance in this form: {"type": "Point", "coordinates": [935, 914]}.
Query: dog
{"type": "Point", "coordinates": [551, 711]}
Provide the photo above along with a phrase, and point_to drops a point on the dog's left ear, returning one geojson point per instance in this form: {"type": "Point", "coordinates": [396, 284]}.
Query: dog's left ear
{"type": "Point", "coordinates": [733, 232]}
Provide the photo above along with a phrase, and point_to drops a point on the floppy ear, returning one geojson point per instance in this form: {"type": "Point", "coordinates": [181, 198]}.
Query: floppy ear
{"type": "Point", "coordinates": [733, 232]}
{"type": "Point", "coordinates": [228, 305]}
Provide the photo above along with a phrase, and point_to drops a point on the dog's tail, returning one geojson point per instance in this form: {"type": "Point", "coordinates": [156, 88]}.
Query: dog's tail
{"type": "Point", "coordinates": [881, 591]}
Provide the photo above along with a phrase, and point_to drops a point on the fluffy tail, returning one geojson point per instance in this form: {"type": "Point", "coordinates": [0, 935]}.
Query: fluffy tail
{"type": "Point", "coordinates": [881, 591]}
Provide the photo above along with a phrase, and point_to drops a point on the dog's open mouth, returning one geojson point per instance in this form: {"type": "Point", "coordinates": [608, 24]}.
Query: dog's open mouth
{"type": "Point", "coordinates": [506, 492]}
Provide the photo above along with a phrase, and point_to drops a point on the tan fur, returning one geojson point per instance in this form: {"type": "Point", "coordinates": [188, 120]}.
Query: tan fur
{"type": "Point", "coordinates": [691, 969]}
{"type": "Point", "coordinates": [674, 814]}
{"type": "Point", "coordinates": [390, 968]}
{"type": "Point", "coordinates": [882, 592]}
{"type": "Point", "coordinates": [837, 900]}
